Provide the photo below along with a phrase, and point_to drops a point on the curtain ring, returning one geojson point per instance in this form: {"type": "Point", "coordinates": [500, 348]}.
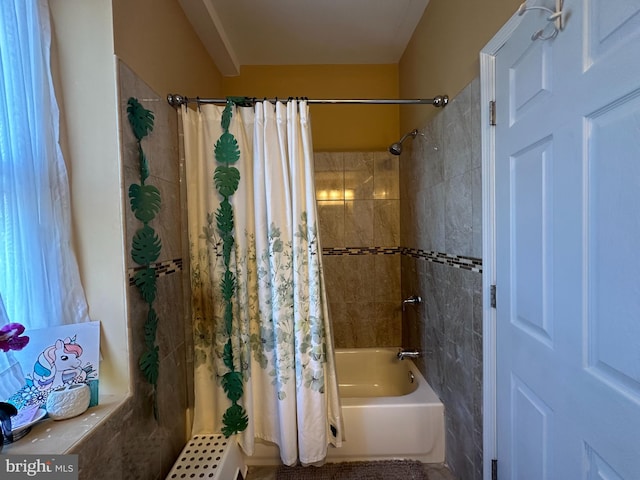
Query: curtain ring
{"type": "Point", "coordinates": [198, 104]}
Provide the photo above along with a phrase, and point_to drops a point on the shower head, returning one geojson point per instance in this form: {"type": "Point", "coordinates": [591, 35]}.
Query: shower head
{"type": "Point", "coordinates": [396, 148]}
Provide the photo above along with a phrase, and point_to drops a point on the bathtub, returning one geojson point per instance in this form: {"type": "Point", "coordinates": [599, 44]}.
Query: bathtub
{"type": "Point", "coordinates": [389, 411]}
{"type": "Point", "coordinates": [388, 408]}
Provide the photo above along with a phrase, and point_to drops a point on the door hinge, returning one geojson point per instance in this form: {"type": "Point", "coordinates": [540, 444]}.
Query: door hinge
{"type": "Point", "coordinates": [494, 469]}
{"type": "Point", "coordinates": [492, 113]}
{"type": "Point", "coordinates": [492, 294]}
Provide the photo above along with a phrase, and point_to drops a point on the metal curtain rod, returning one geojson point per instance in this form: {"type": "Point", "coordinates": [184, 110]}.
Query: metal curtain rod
{"type": "Point", "coordinates": [176, 100]}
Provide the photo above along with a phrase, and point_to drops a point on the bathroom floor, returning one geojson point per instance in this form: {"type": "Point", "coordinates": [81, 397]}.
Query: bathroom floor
{"type": "Point", "coordinates": [435, 471]}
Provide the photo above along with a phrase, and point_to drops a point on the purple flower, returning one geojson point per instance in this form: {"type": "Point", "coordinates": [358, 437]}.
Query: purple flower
{"type": "Point", "coordinates": [10, 338]}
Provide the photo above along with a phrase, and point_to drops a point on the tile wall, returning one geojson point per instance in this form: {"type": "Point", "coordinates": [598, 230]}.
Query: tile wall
{"type": "Point", "coordinates": [379, 246]}
{"type": "Point", "coordinates": [441, 236]}
{"type": "Point", "coordinates": [131, 444]}
{"type": "Point", "coordinates": [358, 203]}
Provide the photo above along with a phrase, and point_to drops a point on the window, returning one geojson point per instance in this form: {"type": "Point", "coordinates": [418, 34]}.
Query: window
{"type": "Point", "coordinates": [39, 278]}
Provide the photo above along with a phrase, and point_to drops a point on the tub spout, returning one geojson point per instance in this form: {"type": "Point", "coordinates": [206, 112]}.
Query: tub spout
{"type": "Point", "coordinates": [402, 354]}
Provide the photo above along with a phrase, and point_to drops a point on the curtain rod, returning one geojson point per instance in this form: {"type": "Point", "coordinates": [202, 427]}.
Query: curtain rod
{"type": "Point", "coordinates": [176, 100]}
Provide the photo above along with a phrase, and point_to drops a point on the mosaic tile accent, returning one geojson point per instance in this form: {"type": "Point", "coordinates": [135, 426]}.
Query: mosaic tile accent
{"type": "Point", "coordinates": [162, 269]}
{"type": "Point", "coordinates": [467, 263]}
{"type": "Point", "coordinates": [361, 250]}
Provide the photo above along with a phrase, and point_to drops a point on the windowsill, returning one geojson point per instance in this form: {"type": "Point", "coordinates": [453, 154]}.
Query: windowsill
{"type": "Point", "coordinates": [58, 437]}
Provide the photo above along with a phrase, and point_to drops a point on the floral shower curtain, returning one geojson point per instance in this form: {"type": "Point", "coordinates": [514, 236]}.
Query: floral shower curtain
{"type": "Point", "coordinates": [281, 339]}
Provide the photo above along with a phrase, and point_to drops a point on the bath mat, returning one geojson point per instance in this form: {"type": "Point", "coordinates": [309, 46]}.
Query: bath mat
{"type": "Point", "coordinates": [379, 470]}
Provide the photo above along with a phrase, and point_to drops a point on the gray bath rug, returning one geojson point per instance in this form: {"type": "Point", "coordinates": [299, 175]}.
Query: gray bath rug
{"type": "Point", "coordinates": [380, 470]}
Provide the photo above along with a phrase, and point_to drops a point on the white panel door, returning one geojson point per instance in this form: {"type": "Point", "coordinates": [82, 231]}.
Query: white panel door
{"type": "Point", "coordinates": [567, 205]}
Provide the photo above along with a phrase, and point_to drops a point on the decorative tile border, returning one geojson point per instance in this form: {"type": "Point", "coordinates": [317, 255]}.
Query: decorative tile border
{"type": "Point", "coordinates": [361, 250]}
{"type": "Point", "coordinates": [467, 263]}
{"type": "Point", "coordinates": [162, 269]}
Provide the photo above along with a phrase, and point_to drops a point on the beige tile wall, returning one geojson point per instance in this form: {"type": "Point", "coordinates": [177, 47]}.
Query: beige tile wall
{"type": "Point", "coordinates": [358, 202]}
{"type": "Point", "coordinates": [131, 444]}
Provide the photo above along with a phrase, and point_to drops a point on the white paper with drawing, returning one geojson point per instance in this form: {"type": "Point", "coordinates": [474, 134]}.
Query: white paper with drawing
{"type": "Point", "coordinates": [55, 357]}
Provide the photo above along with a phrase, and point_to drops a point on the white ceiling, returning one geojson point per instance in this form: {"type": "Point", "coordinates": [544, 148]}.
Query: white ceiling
{"type": "Point", "coordinates": [303, 32]}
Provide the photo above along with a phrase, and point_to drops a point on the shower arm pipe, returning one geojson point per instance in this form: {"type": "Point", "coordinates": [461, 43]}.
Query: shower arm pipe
{"type": "Point", "coordinates": [413, 133]}
{"type": "Point", "coordinates": [176, 100]}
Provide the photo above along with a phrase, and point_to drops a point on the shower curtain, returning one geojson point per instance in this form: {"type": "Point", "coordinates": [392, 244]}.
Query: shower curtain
{"type": "Point", "coordinates": [280, 334]}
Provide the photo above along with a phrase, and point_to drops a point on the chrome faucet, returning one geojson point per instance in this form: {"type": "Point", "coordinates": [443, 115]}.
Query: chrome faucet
{"type": "Point", "coordinates": [413, 300]}
{"type": "Point", "coordinates": [402, 354]}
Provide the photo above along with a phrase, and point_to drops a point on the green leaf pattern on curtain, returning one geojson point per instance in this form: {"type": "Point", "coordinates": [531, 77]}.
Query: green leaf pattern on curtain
{"type": "Point", "coordinates": [203, 309]}
{"type": "Point", "coordinates": [279, 264]}
{"type": "Point", "coordinates": [255, 242]}
{"type": "Point", "coordinates": [280, 261]}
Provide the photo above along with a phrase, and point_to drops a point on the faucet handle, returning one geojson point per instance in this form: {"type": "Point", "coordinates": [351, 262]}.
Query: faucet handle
{"type": "Point", "coordinates": [413, 299]}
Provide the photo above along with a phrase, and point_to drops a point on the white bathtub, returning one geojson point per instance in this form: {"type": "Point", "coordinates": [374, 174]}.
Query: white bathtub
{"type": "Point", "coordinates": [385, 414]}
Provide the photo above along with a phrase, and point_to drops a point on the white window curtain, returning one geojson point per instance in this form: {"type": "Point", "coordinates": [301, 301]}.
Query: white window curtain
{"type": "Point", "coordinates": [39, 277]}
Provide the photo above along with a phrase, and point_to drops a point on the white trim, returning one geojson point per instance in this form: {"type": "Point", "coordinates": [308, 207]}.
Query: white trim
{"type": "Point", "coordinates": [206, 22]}
{"type": "Point", "coordinates": [489, 438]}
{"type": "Point", "coordinates": [489, 360]}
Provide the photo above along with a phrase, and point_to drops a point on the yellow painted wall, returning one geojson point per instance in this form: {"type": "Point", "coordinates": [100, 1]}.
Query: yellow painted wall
{"type": "Point", "coordinates": [87, 94]}
{"type": "Point", "coordinates": [334, 127]}
{"type": "Point", "coordinates": [443, 54]}
{"type": "Point", "coordinates": [155, 39]}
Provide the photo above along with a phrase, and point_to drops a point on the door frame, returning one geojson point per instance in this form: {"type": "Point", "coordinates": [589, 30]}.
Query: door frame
{"type": "Point", "coordinates": [489, 326]}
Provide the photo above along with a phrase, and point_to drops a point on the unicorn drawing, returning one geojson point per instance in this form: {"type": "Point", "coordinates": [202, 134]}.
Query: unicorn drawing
{"type": "Point", "coordinates": [59, 365]}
